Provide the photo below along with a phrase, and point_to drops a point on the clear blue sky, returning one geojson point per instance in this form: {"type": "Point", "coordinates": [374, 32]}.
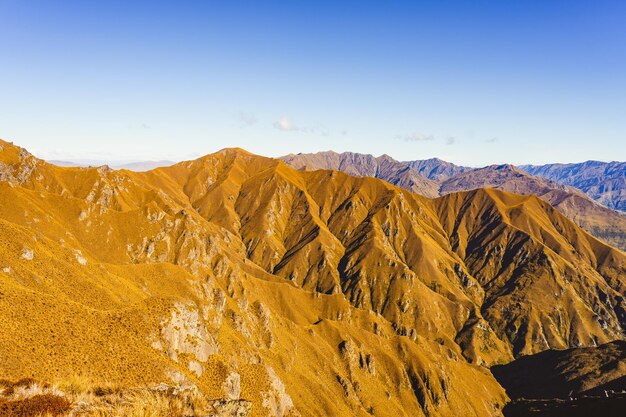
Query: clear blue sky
{"type": "Point", "coordinates": [473, 82]}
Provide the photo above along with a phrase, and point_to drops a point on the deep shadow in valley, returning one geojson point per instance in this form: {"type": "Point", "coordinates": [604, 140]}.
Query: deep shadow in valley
{"type": "Point", "coordinates": [576, 382]}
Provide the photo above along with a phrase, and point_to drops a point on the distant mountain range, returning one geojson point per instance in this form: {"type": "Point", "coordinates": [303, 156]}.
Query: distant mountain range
{"type": "Point", "coordinates": [436, 169]}
{"type": "Point", "coordinates": [383, 167]}
{"type": "Point", "coordinates": [138, 166]}
{"type": "Point", "coordinates": [433, 177]}
{"type": "Point", "coordinates": [605, 182]}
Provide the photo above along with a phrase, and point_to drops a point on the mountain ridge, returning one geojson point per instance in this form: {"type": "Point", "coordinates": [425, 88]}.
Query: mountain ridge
{"type": "Point", "coordinates": [268, 271]}
{"type": "Point", "coordinates": [600, 221]}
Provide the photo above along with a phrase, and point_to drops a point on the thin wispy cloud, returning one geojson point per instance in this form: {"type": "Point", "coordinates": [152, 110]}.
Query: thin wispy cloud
{"type": "Point", "coordinates": [492, 140]}
{"type": "Point", "coordinates": [135, 125]}
{"type": "Point", "coordinates": [415, 137]}
{"type": "Point", "coordinates": [246, 119]}
{"type": "Point", "coordinates": [422, 137]}
{"type": "Point", "coordinates": [286, 125]}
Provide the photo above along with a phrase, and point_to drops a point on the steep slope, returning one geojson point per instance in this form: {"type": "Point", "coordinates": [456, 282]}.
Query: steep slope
{"type": "Point", "coordinates": [383, 167]}
{"type": "Point", "coordinates": [566, 373]}
{"type": "Point", "coordinates": [536, 268]}
{"type": "Point", "coordinates": [436, 169]}
{"type": "Point", "coordinates": [604, 223]}
{"type": "Point", "coordinates": [241, 275]}
{"type": "Point", "coordinates": [605, 182]}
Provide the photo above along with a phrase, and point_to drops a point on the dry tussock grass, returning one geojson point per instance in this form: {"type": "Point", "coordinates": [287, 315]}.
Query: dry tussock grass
{"type": "Point", "coordinates": [79, 397]}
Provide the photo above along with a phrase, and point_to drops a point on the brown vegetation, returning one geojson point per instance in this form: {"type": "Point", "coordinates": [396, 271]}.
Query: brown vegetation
{"type": "Point", "coordinates": [78, 397]}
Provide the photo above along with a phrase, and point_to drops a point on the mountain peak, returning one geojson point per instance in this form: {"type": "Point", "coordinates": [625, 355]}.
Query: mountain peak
{"type": "Point", "coordinates": [234, 150]}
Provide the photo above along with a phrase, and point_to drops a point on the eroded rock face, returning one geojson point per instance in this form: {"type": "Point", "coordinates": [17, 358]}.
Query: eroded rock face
{"type": "Point", "coordinates": [18, 169]}
{"type": "Point", "coordinates": [231, 408]}
{"type": "Point", "coordinates": [185, 332]}
{"type": "Point", "coordinates": [276, 400]}
{"type": "Point", "coordinates": [232, 386]}
{"type": "Point", "coordinates": [28, 254]}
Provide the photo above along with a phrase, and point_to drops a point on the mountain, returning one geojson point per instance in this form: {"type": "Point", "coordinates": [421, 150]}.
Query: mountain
{"type": "Point", "coordinates": [383, 167]}
{"type": "Point", "coordinates": [602, 222]}
{"type": "Point", "coordinates": [605, 182]}
{"type": "Point", "coordinates": [436, 169]}
{"type": "Point", "coordinates": [301, 292]}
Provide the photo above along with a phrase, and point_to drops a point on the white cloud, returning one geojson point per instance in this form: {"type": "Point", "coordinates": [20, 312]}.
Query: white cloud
{"type": "Point", "coordinates": [450, 140]}
{"type": "Point", "coordinates": [492, 140]}
{"type": "Point", "coordinates": [285, 125]}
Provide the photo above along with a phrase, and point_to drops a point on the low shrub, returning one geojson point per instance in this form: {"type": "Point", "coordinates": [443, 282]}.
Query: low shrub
{"type": "Point", "coordinates": [34, 406]}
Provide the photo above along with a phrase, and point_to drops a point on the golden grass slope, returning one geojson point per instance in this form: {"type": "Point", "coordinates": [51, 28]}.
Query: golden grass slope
{"type": "Point", "coordinates": [306, 293]}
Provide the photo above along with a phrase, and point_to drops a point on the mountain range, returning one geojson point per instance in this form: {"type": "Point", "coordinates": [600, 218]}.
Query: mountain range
{"type": "Point", "coordinates": [383, 167]}
{"type": "Point", "coordinates": [444, 177]}
{"type": "Point", "coordinates": [605, 182]}
{"type": "Point", "coordinates": [303, 292]}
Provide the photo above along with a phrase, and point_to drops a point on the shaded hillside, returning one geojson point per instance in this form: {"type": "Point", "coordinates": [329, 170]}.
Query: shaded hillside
{"type": "Point", "coordinates": [604, 223]}
{"type": "Point", "coordinates": [571, 383]}
{"type": "Point", "coordinates": [240, 275]}
{"type": "Point", "coordinates": [565, 373]}
{"type": "Point", "coordinates": [612, 406]}
{"type": "Point", "coordinates": [605, 182]}
{"type": "Point", "coordinates": [383, 167]}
